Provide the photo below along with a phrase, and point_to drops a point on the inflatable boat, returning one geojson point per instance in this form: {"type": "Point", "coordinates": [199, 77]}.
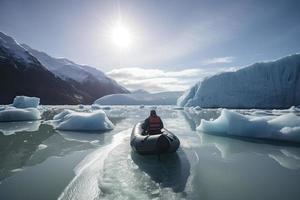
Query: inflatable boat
{"type": "Point", "coordinates": [166, 142]}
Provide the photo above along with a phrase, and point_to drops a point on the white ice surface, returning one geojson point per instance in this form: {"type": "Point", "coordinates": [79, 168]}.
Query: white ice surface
{"type": "Point", "coordinates": [284, 127]}
{"type": "Point", "coordinates": [42, 146]}
{"type": "Point", "coordinates": [262, 85]}
{"type": "Point", "coordinates": [69, 120]}
{"type": "Point", "coordinates": [11, 114]}
{"type": "Point", "coordinates": [26, 102]}
{"type": "Point", "coordinates": [89, 170]}
{"type": "Point", "coordinates": [162, 98]}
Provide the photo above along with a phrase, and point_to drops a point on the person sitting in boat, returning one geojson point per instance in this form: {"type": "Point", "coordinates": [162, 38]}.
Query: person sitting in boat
{"type": "Point", "coordinates": [153, 124]}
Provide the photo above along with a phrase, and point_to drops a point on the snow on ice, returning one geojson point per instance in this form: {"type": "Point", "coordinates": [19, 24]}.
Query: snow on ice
{"type": "Point", "coordinates": [162, 98]}
{"type": "Point", "coordinates": [285, 127]}
{"type": "Point", "coordinates": [26, 102]}
{"type": "Point", "coordinates": [262, 85]}
{"type": "Point", "coordinates": [11, 114]}
{"type": "Point", "coordinates": [22, 109]}
{"type": "Point", "coordinates": [69, 120]}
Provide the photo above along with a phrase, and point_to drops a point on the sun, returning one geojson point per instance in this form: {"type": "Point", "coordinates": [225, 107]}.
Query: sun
{"type": "Point", "coordinates": [121, 36]}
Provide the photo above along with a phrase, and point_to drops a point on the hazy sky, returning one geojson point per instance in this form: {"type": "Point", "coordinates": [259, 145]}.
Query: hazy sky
{"type": "Point", "coordinates": [174, 42]}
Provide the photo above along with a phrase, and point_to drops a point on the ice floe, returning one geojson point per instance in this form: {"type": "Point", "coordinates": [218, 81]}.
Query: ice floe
{"type": "Point", "coordinates": [69, 120]}
{"type": "Point", "coordinates": [284, 127]}
{"type": "Point", "coordinates": [11, 114]}
{"type": "Point", "coordinates": [26, 102]}
{"type": "Point", "coordinates": [23, 109]}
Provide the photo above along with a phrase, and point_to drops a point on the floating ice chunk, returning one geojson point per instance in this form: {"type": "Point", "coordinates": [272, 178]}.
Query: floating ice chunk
{"type": "Point", "coordinates": [62, 114]}
{"type": "Point", "coordinates": [286, 120]}
{"type": "Point", "coordinates": [42, 146]}
{"type": "Point", "coordinates": [26, 102]}
{"type": "Point", "coordinates": [294, 109]}
{"type": "Point", "coordinates": [23, 109]}
{"type": "Point", "coordinates": [95, 107]}
{"type": "Point", "coordinates": [106, 108]}
{"type": "Point", "coordinates": [197, 108]}
{"type": "Point", "coordinates": [118, 113]}
{"type": "Point", "coordinates": [11, 114]}
{"type": "Point", "coordinates": [290, 130]}
{"type": "Point", "coordinates": [78, 121]}
{"type": "Point", "coordinates": [284, 127]}
{"type": "Point", "coordinates": [16, 170]}
{"type": "Point", "coordinates": [178, 108]}
{"type": "Point", "coordinates": [153, 107]}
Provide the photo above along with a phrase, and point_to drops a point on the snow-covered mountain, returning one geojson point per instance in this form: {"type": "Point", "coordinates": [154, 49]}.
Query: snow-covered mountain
{"type": "Point", "coordinates": [10, 49]}
{"type": "Point", "coordinates": [273, 84]}
{"type": "Point", "coordinates": [84, 75]}
{"type": "Point", "coordinates": [140, 98]}
{"type": "Point", "coordinates": [21, 73]}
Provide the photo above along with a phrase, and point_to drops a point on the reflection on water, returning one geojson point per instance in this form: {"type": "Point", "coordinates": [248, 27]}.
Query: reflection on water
{"type": "Point", "coordinates": [101, 165]}
{"type": "Point", "coordinates": [239, 168]}
{"type": "Point", "coordinates": [22, 149]}
{"type": "Point", "coordinates": [235, 169]}
{"type": "Point", "coordinates": [17, 149]}
{"type": "Point", "coordinates": [93, 137]}
{"type": "Point", "coordinates": [193, 117]}
{"type": "Point", "coordinates": [9, 128]}
{"type": "Point", "coordinates": [286, 156]}
{"type": "Point", "coordinates": [170, 170]}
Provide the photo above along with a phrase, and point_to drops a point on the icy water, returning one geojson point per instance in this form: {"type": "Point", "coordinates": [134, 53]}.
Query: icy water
{"type": "Point", "coordinates": [38, 162]}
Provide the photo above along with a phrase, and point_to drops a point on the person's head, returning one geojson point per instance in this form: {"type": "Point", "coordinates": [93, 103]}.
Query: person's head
{"type": "Point", "coordinates": [152, 113]}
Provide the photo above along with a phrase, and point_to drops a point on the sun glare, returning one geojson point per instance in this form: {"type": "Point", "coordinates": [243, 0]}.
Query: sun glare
{"type": "Point", "coordinates": [121, 36]}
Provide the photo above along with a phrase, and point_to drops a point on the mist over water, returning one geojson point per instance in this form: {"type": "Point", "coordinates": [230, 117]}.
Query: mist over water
{"type": "Point", "coordinates": [38, 162]}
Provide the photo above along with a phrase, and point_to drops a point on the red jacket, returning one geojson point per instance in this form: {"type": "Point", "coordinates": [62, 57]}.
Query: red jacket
{"type": "Point", "coordinates": [153, 125]}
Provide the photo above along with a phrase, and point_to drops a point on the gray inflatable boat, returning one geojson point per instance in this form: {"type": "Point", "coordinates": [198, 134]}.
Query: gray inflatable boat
{"type": "Point", "coordinates": [166, 142]}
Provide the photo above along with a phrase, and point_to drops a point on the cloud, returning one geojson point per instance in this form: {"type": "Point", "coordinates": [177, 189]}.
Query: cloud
{"type": "Point", "coordinates": [157, 80]}
{"type": "Point", "coordinates": [219, 60]}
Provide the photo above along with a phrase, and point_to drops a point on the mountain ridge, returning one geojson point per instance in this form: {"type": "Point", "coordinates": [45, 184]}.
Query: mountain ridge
{"type": "Point", "coordinates": [22, 73]}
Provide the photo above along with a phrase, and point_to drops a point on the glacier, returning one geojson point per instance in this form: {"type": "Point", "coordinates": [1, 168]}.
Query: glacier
{"type": "Point", "coordinates": [140, 98]}
{"type": "Point", "coordinates": [265, 85]}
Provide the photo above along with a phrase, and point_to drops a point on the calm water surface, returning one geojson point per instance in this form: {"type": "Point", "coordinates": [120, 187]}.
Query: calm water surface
{"type": "Point", "coordinates": [38, 162]}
